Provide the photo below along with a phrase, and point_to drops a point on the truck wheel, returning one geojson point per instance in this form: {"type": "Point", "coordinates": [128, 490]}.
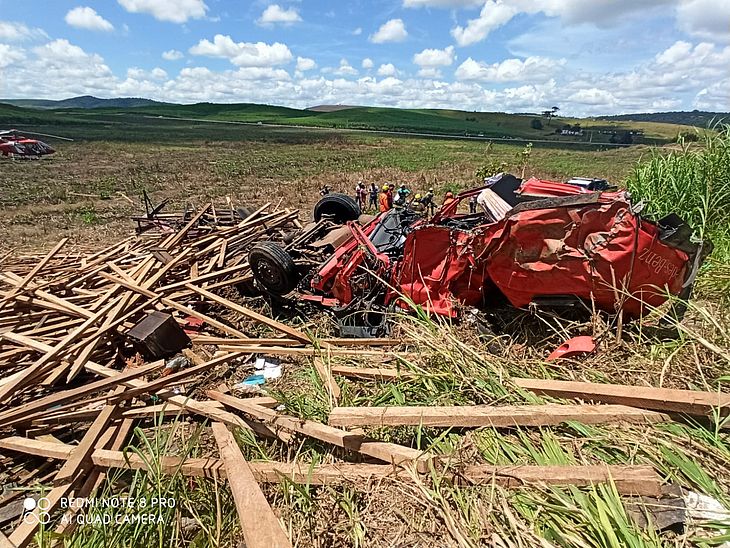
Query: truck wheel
{"type": "Point", "coordinates": [273, 268]}
{"type": "Point", "coordinates": [341, 207]}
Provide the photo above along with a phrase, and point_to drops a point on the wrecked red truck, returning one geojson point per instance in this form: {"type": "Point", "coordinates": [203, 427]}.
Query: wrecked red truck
{"type": "Point", "coordinates": [533, 242]}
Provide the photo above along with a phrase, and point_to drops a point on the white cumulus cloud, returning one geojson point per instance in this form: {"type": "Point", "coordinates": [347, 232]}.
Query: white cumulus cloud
{"type": "Point", "coordinates": [172, 55]}
{"type": "Point", "coordinates": [244, 54]}
{"type": "Point", "coordinates": [494, 14]}
{"type": "Point", "coordinates": [387, 69]}
{"type": "Point", "coordinates": [345, 69]}
{"type": "Point", "coordinates": [536, 69]}
{"type": "Point", "coordinates": [390, 31]}
{"type": "Point", "coordinates": [10, 55]}
{"type": "Point", "coordinates": [84, 17]}
{"type": "Point", "coordinates": [304, 64]}
{"type": "Point", "coordinates": [430, 58]}
{"type": "Point", "coordinates": [367, 63]}
{"type": "Point", "coordinates": [706, 19]}
{"type": "Point", "coordinates": [174, 11]}
{"type": "Point", "coordinates": [441, 3]}
{"type": "Point", "coordinates": [275, 14]}
{"type": "Point", "coordinates": [11, 31]}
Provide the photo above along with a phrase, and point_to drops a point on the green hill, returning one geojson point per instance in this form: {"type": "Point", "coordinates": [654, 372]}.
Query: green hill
{"type": "Point", "coordinates": [698, 118]}
{"type": "Point", "coordinates": [154, 120]}
{"type": "Point", "coordinates": [84, 101]}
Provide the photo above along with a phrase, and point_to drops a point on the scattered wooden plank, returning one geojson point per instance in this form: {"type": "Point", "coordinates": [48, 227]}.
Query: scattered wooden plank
{"type": "Point", "coordinates": [79, 458]}
{"type": "Point", "coordinates": [273, 324]}
{"type": "Point", "coordinates": [471, 416]}
{"type": "Point", "coordinates": [295, 351]}
{"type": "Point", "coordinates": [629, 480]}
{"type": "Point", "coordinates": [637, 480]}
{"type": "Point", "coordinates": [39, 448]}
{"type": "Point", "coordinates": [669, 400]}
{"type": "Point", "coordinates": [387, 452]}
{"type": "Point", "coordinates": [36, 269]}
{"type": "Point", "coordinates": [371, 373]}
{"type": "Point", "coordinates": [261, 527]}
{"type": "Point", "coordinates": [323, 370]}
{"type": "Point", "coordinates": [17, 414]}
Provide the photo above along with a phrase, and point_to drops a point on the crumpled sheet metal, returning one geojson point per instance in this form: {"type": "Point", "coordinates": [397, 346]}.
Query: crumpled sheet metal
{"type": "Point", "coordinates": [600, 252]}
{"type": "Point", "coordinates": [575, 346]}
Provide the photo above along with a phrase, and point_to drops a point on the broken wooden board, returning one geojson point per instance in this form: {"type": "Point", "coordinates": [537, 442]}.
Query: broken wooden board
{"type": "Point", "coordinates": [471, 416]}
{"type": "Point", "coordinates": [387, 452]}
{"type": "Point", "coordinates": [638, 480]}
{"type": "Point", "coordinates": [669, 400]}
{"type": "Point", "coordinates": [261, 527]}
{"type": "Point", "coordinates": [371, 373]}
{"type": "Point", "coordinates": [325, 375]}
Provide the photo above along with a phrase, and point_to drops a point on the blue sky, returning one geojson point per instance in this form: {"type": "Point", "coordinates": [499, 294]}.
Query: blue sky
{"type": "Point", "coordinates": [586, 56]}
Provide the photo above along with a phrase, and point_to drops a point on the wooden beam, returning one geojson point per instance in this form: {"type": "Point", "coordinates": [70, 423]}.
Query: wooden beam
{"type": "Point", "coordinates": [471, 416]}
{"type": "Point", "coordinates": [17, 414]}
{"type": "Point", "coordinates": [278, 326]}
{"type": "Point", "coordinates": [35, 270]}
{"type": "Point", "coordinates": [79, 458]}
{"type": "Point", "coordinates": [261, 527]}
{"type": "Point", "coordinates": [372, 373]}
{"type": "Point", "coordinates": [637, 480]}
{"type": "Point", "coordinates": [39, 448]}
{"type": "Point", "coordinates": [387, 452]}
{"type": "Point", "coordinates": [310, 351]}
{"type": "Point", "coordinates": [323, 370]}
{"type": "Point", "coordinates": [174, 304]}
{"type": "Point", "coordinates": [669, 400]}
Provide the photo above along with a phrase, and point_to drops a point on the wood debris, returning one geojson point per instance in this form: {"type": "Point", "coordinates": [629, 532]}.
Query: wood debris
{"type": "Point", "coordinates": [69, 368]}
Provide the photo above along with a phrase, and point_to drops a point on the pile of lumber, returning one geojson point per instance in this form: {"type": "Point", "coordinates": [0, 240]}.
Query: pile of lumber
{"type": "Point", "coordinates": [72, 386]}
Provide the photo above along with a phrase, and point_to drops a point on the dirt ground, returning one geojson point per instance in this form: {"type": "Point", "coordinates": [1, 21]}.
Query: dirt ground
{"type": "Point", "coordinates": [88, 190]}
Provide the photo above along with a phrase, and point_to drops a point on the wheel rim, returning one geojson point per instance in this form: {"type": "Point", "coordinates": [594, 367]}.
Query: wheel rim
{"type": "Point", "coordinates": [269, 274]}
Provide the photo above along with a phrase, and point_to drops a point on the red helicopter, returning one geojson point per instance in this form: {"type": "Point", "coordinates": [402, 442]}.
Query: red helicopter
{"type": "Point", "coordinates": [15, 145]}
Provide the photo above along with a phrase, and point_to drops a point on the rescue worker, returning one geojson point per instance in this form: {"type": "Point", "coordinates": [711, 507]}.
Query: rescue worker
{"type": "Point", "coordinates": [402, 195]}
{"type": "Point", "coordinates": [417, 204]}
{"type": "Point", "coordinates": [373, 197]}
{"type": "Point", "coordinates": [384, 201]}
{"type": "Point", "coordinates": [473, 204]}
{"type": "Point", "coordinates": [448, 199]}
{"type": "Point", "coordinates": [428, 202]}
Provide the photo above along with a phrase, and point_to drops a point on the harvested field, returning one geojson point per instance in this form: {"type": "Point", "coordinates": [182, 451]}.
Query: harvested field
{"type": "Point", "coordinates": [357, 442]}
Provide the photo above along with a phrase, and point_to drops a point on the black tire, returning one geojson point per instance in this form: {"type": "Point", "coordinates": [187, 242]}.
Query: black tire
{"type": "Point", "coordinates": [341, 207]}
{"type": "Point", "coordinates": [273, 268]}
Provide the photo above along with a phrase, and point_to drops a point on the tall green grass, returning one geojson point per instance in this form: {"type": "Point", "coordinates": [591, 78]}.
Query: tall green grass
{"type": "Point", "coordinates": [694, 182]}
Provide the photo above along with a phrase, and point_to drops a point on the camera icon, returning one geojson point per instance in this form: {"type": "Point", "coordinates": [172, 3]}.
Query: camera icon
{"type": "Point", "coordinates": [36, 511]}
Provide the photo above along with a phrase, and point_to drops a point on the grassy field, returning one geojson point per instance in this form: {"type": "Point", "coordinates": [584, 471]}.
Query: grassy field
{"type": "Point", "coordinates": [77, 191]}
{"type": "Point", "coordinates": [496, 125]}
{"type": "Point", "coordinates": [89, 188]}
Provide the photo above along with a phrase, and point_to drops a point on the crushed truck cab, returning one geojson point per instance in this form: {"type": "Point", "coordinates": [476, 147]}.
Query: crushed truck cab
{"type": "Point", "coordinates": [534, 242]}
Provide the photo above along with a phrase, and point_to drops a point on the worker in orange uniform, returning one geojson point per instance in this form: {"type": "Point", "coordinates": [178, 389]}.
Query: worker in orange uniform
{"type": "Point", "coordinates": [449, 198]}
{"type": "Point", "coordinates": [384, 200]}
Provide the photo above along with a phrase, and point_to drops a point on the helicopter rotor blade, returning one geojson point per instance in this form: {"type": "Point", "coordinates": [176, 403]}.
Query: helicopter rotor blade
{"type": "Point", "coordinates": [35, 133]}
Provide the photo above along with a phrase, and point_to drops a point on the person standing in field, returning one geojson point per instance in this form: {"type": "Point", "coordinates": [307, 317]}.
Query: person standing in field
{"type": "Point", "coordinates": [360, 193]}
{"type": "Point", "coordinates": [373, 203]}
{"type": "Point", "coordinates": [391, 195]}
{"type": "Point", "coordinates": [384, 200]}
{"type": "Point", "coordinates": [428, 202]}
{"type": "Point", "coordinates": [448, 198]}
